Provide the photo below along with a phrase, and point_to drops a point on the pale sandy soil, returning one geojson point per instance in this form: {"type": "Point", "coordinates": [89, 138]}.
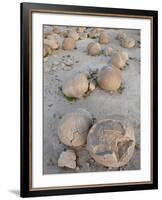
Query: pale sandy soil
{"type": "Point", "coordinates": [99, 103]}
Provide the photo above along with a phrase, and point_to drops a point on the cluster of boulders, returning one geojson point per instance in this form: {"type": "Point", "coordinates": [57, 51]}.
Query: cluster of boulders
{"type": "Point", "coordinates": [109, 78]}
{"type": "Point", "coordinates": [110, 142]}
{"type": "Point", "coordinates": [67, 40]}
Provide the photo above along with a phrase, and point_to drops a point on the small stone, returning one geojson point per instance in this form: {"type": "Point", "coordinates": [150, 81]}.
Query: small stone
{"type": "Point", "coordinates": [83, 36]}
{"type": "Point", "coordinates": [87, 164]}
{"type": "Point", "coordinates": [56, 29]}
{"type": "Point", "coordinates": [121, 36]}
{"type": "Point", "coordinates": [77, 168]}
{"type": "Point", "coordinates": [81, 29]}
{"type": "Point", "coordinates": [69, 61]}
{"type": "Point", "coordinates": [94, 49]}
{"type": "Point", "coordinates": [69, 44]}
{"type": "Point", "coordinates": [56, 62]}
{"type": "Point", "coordinates": [103, 38]}
{"type": "Point", "coordinates": [73, 34]}
{"type": "Point", "coordinates": [53, 36]}
{"type": "Point", "coordinates": [45, 59]}
{"type": "Point", "coordinates": [108, 51]}
{"type": "Point", "coordinates": [92, 86]}
{"type": "Point", "coordinates": [64, 34]}
{"type": "Point", "coordinates": [53, 44]}
{"type": "Point", "coordinates": [67, 159]}
{"type": "Point", "coordinates": [93, 34]}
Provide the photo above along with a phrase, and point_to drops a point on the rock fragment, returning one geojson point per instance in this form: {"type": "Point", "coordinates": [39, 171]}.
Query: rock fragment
{"type": "Point", "coordinates": [67, 159]}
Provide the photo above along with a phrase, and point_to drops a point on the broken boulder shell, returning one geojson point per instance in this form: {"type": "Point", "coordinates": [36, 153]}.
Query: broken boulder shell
{"type": "Point", "coordinates": [109, 79]}
{"type": "Point", "coordinates": [103, 38]}
{"type": "Point", "coordinates": [67, 159]}
{"type": "Point", "coordinates": [76, 86]}
{"type": "Point", "coordinates": [128, 42]}
{"type": "Point", "coordinates": [94, 49]}
{"type": "Point", "coordinates": [73, 128]}
{"type": "Point", "coordinates": [69, 44]}
{"type": "Point", "coordinates": [111, 142]}
{"type": "Point", "coordinates": [119, 59]}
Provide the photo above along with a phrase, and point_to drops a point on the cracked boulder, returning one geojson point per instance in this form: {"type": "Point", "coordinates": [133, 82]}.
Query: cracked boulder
{"type": "Point", "coordinates": [73, 128]}
{"type": "Point", "coordinates": [111, 142]}
{"type": "Point", "coordinates": [67, 159]}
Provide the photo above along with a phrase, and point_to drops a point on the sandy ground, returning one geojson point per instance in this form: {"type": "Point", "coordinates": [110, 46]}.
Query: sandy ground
{"type": "Point", "coordinates": [99, 103]}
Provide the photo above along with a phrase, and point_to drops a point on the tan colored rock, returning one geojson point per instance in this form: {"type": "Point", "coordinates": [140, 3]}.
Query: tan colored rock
{"type": "Point", "coordinates": [124, 55]}
{"type": "Point", "coordinates": [92, 86]}
{"type": "Point", "coordinates": [47, 33]}
{"type": "Point", "coordinates": [109, 79]}
{"type": "Point", "coordinates": [56, 29]}
{"type": "Point", "coordinates": [64, 34]}
{"type": "Point", "coordinates": [119, 59]}
{"type": "Point", "coordinates": [69, 44]}
{"type": "Point", "coordinates": [46, 50]}
{"type": "Point", "coordinates": [53, 36]}
{"type": "Point", "coordinates": [94, 49]}
{"type": "Point", "coordinates": [73, 34]}
{"type": "Point", "coordinates": [121, 36]}
{"type": "Point", "coordinates": [99, 30]}
{"type": "Point", "coordinates": [53, 44]}
{"type": "Point", "coordinates": [103, 38]}
{"type": "Point", "coordinates": [76, 86]}
{"type": "Point", "coordinates": [83, 36]}
{"type": "Point", "coordinates": [128, 42]}
{"type": "Point", "coordinates": [93, 33]}
{"type": "Point", "coordinates": [73, 128]}
{"type": "Point", "coordinates": [108, 51]}
{"type": "Point", "coordinates": [67, 159]}
{"type": "Point", "coordinates": [111, 141]}
{"type": "Point", "coordinates": [81, 29]}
